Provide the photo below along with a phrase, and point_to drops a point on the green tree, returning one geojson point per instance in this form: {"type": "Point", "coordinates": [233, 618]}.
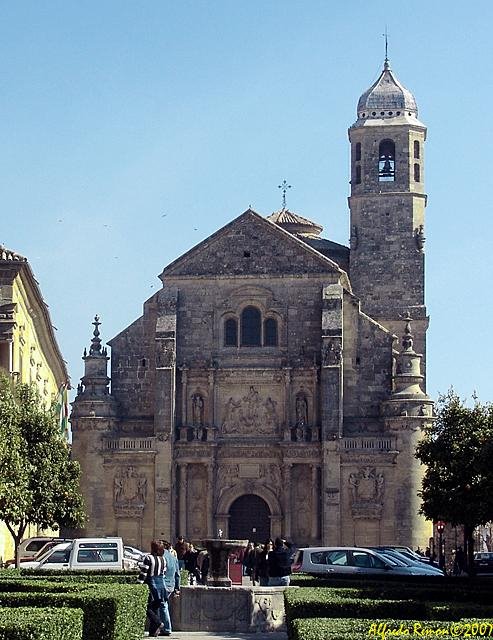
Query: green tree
{"type": "Point", "coordinates": [457, 450]}
{"type": "Point", "coordinates": [39, 483]}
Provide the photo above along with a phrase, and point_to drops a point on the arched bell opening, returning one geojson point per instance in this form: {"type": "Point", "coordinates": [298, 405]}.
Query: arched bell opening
{"type": "Point", "coordinates": [386, 161]}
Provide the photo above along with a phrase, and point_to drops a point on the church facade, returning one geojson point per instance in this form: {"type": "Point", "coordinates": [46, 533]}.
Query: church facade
{"type": "Point", "coordinates": [275, 385]}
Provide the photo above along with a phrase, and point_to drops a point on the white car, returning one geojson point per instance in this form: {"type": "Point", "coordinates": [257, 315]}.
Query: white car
{"type": "Point", "coordinates": [327, 561]}
{"type": "Point", "coordinates": [82, 553]}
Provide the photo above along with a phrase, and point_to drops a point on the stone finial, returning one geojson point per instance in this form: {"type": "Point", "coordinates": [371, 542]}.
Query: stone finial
{"type": "Point", "coordinates": [95, 348]}
{"type": "Point", "coordinates": [408, 338]}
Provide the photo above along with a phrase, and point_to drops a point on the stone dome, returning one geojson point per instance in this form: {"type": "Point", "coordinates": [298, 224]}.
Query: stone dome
{"type": "Point", "coordinates": [387, 98]}
{"type": "Point", "coordinates": [295, 223]}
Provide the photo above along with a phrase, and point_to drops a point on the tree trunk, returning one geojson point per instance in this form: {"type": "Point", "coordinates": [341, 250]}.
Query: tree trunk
{"type": "Point", "coordinates": [469, 548]}
{"type": "Point", "coordinates": [17, 537]}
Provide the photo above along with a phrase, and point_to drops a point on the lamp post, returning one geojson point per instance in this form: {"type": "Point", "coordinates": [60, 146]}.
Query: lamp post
{"type": "Point", "coordinates": [440, 526]}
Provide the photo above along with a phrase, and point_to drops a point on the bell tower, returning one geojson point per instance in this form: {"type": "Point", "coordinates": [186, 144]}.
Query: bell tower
{"type": "Point", "coordinates": [387, 206]}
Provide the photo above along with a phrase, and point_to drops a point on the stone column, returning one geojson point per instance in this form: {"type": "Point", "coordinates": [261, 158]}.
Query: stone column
{"type": "Point", "coordinates": [287, 499]}
{"type": "Point", "coordinates": [211, 418]}
{"type": "Point", "coordinates": [182, 498]}
{"type": "Point", "coordinates": [210, 499]}
{"type": "Point", "coordinates": [331, 494]}
{"type": "Point", "coordinates": [288, 421]}
{"type": "Point", "coordinates": [315, 502]}
{"type": "Point", "coordinates": [332, 362]}
{"type": "Point", "coordinates": [184, 395]}
{"type": "Point", "coordinates": [164, 404]}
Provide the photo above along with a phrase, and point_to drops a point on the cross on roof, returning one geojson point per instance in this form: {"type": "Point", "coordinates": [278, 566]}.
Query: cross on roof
{"type": "Point", "coordinates": [284, 186]}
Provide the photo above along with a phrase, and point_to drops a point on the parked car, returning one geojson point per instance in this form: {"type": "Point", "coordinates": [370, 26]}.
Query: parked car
{"type": "Point", "coordinates": [327, 561]}
{"type": "Point", "coordinates": [83, 553]}
{"type": "Point", "coordinates": [409, 553]}
{"type": "Point", "coordinates": [483, 562]}
{"type": "Point", "coordinates": [401, 558]}
{"type": "Point", "coordinates": [133, 553]}
{"type": "Point", "coordinates": [32, 548]}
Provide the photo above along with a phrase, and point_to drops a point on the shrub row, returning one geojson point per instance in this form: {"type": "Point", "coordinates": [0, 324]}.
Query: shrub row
{"type": "Point", "coordinates": [368, 629]}
{"type": "Point", "coordinates": [426, 593]}
{"type": "Point", "coordinates": [40, 624]}
{"type": "Point", "coordinates": [110, 611]}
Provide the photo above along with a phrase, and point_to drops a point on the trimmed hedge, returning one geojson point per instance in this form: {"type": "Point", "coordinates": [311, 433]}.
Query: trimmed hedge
{"type": "Point", "coordinates": [40, 624]}
{"type": "Point", "coordinates": [111, 611]}
{"type": "Point", "coordinates": [323, 603]}
{"type": "Point", "coordinates": [425, 593]}
{"type": "Point", "coordinates": [366, 629]}
{"type": "Point", "coordinates": [59, 577]}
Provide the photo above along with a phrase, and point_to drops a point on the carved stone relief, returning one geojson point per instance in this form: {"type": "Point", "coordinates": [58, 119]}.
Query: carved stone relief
{"type": "Point", "coordinates": [301, 492]}
{"type": "Point", "coordinates": [366, 489]}
{"type": "Point", "coordinates": [197, 500]}
{"type": "Point", "coordinates": [251, 414]}
{"type": "Point", "coordinates": [165, 353]}
{"type": "Point", "coordinates": [129, 493]}
{"type": "Point", "coordinates": [162, 495]}
{"type": "Point", "coordinates": [227, 475]}
{"type": "Point", "coordinates": [332, 352]}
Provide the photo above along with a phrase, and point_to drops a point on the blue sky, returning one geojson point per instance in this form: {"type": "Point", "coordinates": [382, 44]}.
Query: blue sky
{"type": "Point", "coordinates": [131, 131]}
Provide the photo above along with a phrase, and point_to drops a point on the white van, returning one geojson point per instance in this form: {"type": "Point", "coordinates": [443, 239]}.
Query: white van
{"type": "Point", "coordinates": [82, 553]}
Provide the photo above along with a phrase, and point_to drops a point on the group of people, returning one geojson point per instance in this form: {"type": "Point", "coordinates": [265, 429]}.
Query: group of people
{"type": "Point", "coordinates": [195, 561]}
{"type": "Point", "coordinates": [268, 565]}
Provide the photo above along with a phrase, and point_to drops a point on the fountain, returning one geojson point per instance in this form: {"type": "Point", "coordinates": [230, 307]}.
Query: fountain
{"type": "Point", "coordinates": [219, 550]}
{"type": "Point", "coordinates": [245, 609]}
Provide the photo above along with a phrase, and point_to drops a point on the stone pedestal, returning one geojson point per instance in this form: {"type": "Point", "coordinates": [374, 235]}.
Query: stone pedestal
{"type": "Point", "coordinates": [235, 609]}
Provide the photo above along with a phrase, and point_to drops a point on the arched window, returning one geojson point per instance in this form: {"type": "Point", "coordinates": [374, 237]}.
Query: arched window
{"type": "Point", "coordinates": [270, 333]}
{"type": "Point", "coordinates": [417, 173]}
{"type": "Point", "coordinates": [357, 152]}
{"type": "Point", "coordinates": [416, 149]}
{"type": "Point", "coordinates": [358, 174]}
{"type": "Point", "coordinates": [250, 327]}
{"type": "Point", "coordinates": [230, 333]}
{"type": "Point", "coordinates": [386, 161]}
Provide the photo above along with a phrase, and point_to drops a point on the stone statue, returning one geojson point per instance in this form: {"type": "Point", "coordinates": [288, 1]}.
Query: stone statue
{"type": "Point", "coordinates": [331, 353]}
{"type": "Point", "coordinates": [197, 410]}
{"type": "Point", "coordinates": [301, 411]}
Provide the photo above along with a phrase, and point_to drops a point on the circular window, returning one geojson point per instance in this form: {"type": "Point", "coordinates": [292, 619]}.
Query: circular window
{"type": "Point", "coordinates": [364, 115]}
{"type": "Point", "coordinates": [398, 113]}
{"type": "Point", "coordinates": [373, 113]}
{"type": "Point", "coordinates": [390, 113]}
{"type": "Point", "coordinates": [382, 113]}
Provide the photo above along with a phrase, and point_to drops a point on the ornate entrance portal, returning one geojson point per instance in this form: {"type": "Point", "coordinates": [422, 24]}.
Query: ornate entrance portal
{"type": "Point", "coordinates": [249, 518]}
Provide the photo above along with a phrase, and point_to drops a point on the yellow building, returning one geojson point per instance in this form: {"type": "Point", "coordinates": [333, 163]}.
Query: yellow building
{"type": "Point", "coordinates": [28, 348]}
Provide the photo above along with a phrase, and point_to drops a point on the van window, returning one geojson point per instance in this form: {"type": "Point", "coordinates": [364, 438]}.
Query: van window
{"type": "Point", "coordinates": [97, 555]}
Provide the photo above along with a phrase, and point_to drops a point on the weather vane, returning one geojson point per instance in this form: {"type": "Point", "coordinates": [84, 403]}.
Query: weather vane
{"type": "Point", "coordinates": [386, 36]}
{"type": "Point", "coordinates": [284, 187]}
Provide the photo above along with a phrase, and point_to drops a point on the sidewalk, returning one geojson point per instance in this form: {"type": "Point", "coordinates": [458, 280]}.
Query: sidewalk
{"type": "Point", "coordinates": [210, 635]}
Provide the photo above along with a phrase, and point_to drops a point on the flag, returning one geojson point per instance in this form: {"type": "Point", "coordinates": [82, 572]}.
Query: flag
{"type": "Point", "coordinates": [61, 407]}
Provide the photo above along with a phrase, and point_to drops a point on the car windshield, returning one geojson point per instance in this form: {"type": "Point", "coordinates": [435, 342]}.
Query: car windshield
{"type": "Point", "coordinates": [48, 552]}
{"type": "Point", "coordinates": [394, 559]}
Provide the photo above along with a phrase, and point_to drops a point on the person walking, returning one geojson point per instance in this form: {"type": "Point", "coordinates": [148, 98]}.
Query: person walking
{"type": "Point", "coordinates": [171, 581]}
{"type": "Point", "coordinates": [181, 548]}
{"type": "Point", "coordinates": [248, 561]}
{"type": "Point", "coordinates": [152, 571]}
{"type": "Point", "coordinates": [279, 564]}
{"type": "Point", "coordinates": [262, 564]}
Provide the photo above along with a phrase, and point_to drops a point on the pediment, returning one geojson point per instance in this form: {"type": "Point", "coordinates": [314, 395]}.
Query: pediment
{"type": "Point", "coordinates": [250, 245]}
